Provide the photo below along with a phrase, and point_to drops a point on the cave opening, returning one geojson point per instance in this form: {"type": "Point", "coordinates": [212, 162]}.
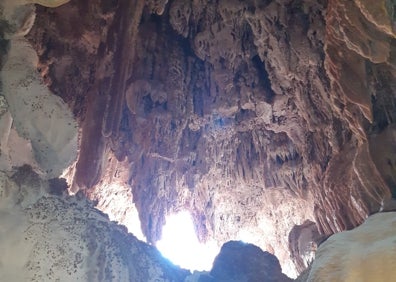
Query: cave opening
{"type": "Point", "coordinates": [179, 244]}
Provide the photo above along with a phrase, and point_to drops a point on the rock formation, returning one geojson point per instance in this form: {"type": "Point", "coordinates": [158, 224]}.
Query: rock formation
{"type": "Point", "coordinates": [303, 242]}
{"type": "Point", "coordinates": [261, 118]}
{"type": "Point", "coordinates": [366, 253]}
{"type": "Point", "coordinates": [47, 235]}
{"type": "Point", "coordinates": [238, 261]}
{"type": "Point", "coordinates": [33, 111]}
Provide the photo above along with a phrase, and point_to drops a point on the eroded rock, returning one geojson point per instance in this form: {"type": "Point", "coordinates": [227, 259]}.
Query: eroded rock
{"type": "Point", "coordinates": [366, 253]}
{"type": "Point", "coordinates": [38, 116]}
{"type": "Point", "coordinates": [255, 117]}
{"type": "Point", "coordinates": [47, 235]}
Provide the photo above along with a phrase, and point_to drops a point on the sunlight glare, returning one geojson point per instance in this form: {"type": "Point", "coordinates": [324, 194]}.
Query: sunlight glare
{"type": "Point", "coordinates": [180, 244]}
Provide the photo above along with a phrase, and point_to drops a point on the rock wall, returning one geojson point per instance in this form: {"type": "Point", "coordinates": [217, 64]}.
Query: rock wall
{"type": "Point", "coordinates": [47, 235]}
{"type": "Point", "coordinates": [366, 253]}
{"type": "Point", "coordinates": [32, 117]}
{"type": "Point", "coordinates": [255, 116]}
{"type": "Point", "coordinates": [238, 261]}
{"type": "Point", "coordinates": [360, 64]}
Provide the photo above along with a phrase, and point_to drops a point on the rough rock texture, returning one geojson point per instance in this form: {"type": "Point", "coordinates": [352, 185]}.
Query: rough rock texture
{"type": "Point", "coordinates": [45, 234]}
{"type": "Point", "coordinates": [360, 62]}
{"type": "Point", "coordinates": [303, 242]}
{"type": "Point", "coordinates": [254, 115]}
{"type": "Point", "coordinates": [241, 262]}
{"type": "Point", "coordinates": [366, 253]}
{"type": "Point", "coordinates": [48, 236]}
{"type": "Point", "coordinates": [31, 109]}
{"type": "Point", "coordinates": [114, 196]}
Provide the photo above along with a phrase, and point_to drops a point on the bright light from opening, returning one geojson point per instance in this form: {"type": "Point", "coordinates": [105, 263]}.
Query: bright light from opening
{"type": "Point", "coordinates": [247, 237]}
{"type": "Point", "coordinates": [180, 244]}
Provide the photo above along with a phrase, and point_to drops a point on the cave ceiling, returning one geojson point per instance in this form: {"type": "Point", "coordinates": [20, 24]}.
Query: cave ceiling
{"type": "Point", "coordinates": [263, 117]}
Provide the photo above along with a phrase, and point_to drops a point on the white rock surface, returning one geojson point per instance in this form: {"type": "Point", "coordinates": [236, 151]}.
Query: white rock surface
{"type": "Point", "coordinates": [366, 253]}
{"type": "Point", "coordinates": [47, 237]}
{"type": "Point", "coordinates": [37, 114]}
{"type": "Point", "coordinates": [14, 150]}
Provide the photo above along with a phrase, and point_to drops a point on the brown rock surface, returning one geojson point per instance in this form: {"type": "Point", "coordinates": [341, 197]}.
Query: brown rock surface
{"type": "Point", "coordinates": [255, 116]}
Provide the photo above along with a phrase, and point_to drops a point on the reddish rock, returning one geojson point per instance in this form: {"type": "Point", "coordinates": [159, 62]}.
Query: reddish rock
{"type": "Point", "coordinates": [254, 117]}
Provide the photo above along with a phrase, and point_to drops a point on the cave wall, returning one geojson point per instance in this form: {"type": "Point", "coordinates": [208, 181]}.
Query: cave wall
{"type": "Point", "coordinates": [37, 126]}
{"type": "Point", "coordinates": [47, 235]}
{"type": "Point", "coordinates": [361, 254]}
{"type": "Point", "coordinates": [256, 116]}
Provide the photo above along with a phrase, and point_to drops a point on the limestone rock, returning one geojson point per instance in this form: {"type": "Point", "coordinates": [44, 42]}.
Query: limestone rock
{"type": "Point", "coordinates": [3, 105]}
{"type": "Point", "coordinates": [253, 115]}
{"type": "Point", "coordinates": [303, 242]}
{"type": "Point", "coordinates": [366, 253]}
{"type": "Point", "coordinates": [51, 236]}
{"type": "Point", "coordinates": [37, 115]}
